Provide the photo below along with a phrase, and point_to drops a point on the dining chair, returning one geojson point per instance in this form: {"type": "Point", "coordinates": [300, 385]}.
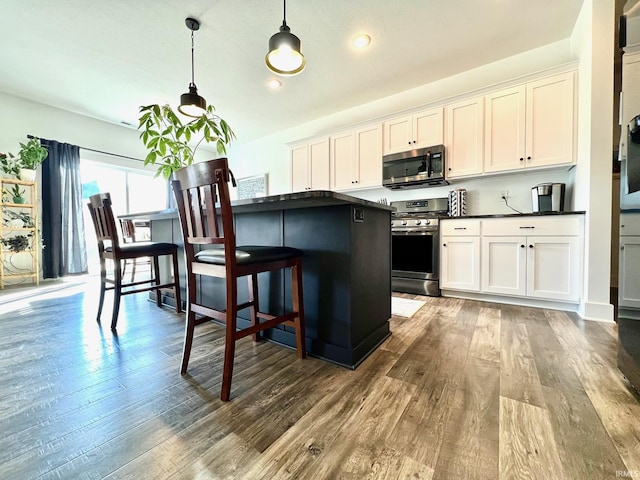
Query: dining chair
{"type": "Point", "coordinates": [110, 248]}
{"type": "Point", "coordinates": [204, 208]}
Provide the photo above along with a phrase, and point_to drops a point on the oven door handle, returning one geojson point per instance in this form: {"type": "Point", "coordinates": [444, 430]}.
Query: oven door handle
{"type": "Point", "coordinates": [409, 232]}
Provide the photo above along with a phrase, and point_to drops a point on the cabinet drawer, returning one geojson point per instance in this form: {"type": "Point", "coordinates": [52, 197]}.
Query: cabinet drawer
{"type": "Point", "coordinates": [538, 226]}
{"type": "Point", "coordinates": [459, 227]}
{"type": "Point", "coordinates": [630, 224]}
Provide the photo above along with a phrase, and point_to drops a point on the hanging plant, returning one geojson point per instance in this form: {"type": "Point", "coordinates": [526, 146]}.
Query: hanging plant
{"type": "Point", "coordinates": [167, 138]}
{"type": "Point", "coordinates": [16, 244]}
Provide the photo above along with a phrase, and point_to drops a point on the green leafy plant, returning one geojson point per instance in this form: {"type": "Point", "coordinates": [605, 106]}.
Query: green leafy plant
{"type": "Point", "coordinates": [167, 137]}
{"type": "Point", "coordinates": [17, 193]}
{"type": "Point", "coordinates": [17, 219]}
{"type": "Point", "coordinates": [31, 154]}
{"type": "Point", "coordinates": [9, 163]}
{"type": "Point", "coordinates": [16, 244]}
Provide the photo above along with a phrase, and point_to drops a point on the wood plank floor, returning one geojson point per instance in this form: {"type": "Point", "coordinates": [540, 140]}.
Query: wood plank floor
{"type": "Point", "coordinates": [462, 390]}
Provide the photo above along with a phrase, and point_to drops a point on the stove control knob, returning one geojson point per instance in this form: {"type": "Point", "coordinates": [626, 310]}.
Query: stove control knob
{"type": "Point", "coordinates": [427, 222]}
{"type": "Point", "coordinates": [418, 222]}
{"type": "Point", "coordinates": [404, 222]}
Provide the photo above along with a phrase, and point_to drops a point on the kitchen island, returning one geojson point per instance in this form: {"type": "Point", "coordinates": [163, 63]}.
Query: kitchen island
{"type": "Point", "coordinates": [346, 267]}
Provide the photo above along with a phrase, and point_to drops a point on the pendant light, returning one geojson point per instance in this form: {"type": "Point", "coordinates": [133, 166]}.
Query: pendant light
{"type": "Point", "coordinates": [192, 104]}
{"type": "Point", "coordinates": [284, 57]}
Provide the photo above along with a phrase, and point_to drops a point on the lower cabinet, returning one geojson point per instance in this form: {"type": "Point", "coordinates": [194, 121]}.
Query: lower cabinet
{"type": "Point", "coordinates": [460, 255]}
{"type": "Point", "coordinates": [629, 273]}
{"type": "Point", "coordinates": [538, 267]}
{"type": "Point", "coordinates": [528, 256]}
{"type": "Point", "coordinates": [459, 261]}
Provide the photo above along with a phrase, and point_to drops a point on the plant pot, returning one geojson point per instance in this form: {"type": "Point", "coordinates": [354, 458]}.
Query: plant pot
{"type": "Point", "coordinates": [18, 199]}
{"type": "Point", "coordinates": [27, 174]}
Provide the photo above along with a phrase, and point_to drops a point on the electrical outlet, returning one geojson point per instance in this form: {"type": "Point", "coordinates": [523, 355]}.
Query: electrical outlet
{"type": "Point", "coordinates": [504, 194]}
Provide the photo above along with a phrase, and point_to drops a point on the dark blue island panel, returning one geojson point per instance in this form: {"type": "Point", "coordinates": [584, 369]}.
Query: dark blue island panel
{"type": "Point", "coordinates": [346, 267]}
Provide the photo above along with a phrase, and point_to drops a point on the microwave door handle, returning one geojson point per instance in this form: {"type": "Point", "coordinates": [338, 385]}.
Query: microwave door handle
{"type": "Point", "coordinates": [429, 167]}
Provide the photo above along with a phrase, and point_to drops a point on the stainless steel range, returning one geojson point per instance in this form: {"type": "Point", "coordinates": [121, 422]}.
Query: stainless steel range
{"type": "Point", "coordinates": [415, 245]}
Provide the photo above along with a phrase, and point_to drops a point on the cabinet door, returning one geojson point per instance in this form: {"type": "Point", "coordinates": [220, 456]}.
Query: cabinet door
{"type": "Point", "coordinates": [342, 161]}
{"type": "Point", "coordinates": [460, 263]}
{"type": "Point", "coordinates": [299, 155]}
{"type": "Point", "coordinates": [550, 121]}
{"type": "Point", "coordinates": [553, 269]}
{"type": "Point", "coordinates": [368, 163]}
{"type": "Point", "coordinates": [465, 136]}
{"type": "Point", "coordinates": [629, 273]}
{"type": "Point", "coordinates": [504, 265]}
{"type": "Point", "coordinates": [504, 139]}
{"type": "Point", "coordinates": [397, 135]}
{"type": "Point", "coordinates": [319, 164]}
{"type": "Point", "coordinates": [428, 128]}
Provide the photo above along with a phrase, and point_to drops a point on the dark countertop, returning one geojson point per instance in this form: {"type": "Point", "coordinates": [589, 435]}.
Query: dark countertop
{"type": "Point", "coordinates": [285, 201]}
{"type": "Point", "coordinates": [511, 215]}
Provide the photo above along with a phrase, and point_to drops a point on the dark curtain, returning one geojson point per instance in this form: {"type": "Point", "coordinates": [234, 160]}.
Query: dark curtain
{"type": "Point", "coordinates": [65, 250]}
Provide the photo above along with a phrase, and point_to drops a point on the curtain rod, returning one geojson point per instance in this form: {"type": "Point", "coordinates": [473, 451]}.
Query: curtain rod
{"type": "Point", "coordinates": [100, 151]}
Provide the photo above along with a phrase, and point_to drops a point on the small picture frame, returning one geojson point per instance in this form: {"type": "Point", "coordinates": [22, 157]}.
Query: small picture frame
{"type": "Point", "coordinates": [252, 187]}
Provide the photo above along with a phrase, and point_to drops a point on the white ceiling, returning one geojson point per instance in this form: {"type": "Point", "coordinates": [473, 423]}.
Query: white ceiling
{"type": "Point", "coordinates": [105, 58]}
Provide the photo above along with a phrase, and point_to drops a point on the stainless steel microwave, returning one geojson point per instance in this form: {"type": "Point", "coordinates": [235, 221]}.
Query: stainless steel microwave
{"type": "Point", "coordinates": [421, 167]}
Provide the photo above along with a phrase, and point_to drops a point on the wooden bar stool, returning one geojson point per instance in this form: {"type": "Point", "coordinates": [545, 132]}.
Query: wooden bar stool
{"type": "Point", "coordinates": [204, 207]}
{"type": "Point", "coordinates": [109, 247]}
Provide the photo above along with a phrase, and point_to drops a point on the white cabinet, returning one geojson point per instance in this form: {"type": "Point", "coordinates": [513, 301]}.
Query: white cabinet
{"type": "Point", "coordinates": [629, 273]}
{"type": "Point", "coordinates": [356, 158]}
{"type": "Point", "coordinates": [530, 125]}
{"type": "Point", "coordinates": [629, 259]}
{"type": "Point", "coordinates": [504, 265]}
{"type": "Point", "coordinates": [533, 256]}
{"type": "Point", "coordinates": [465, 138]}
{"type": "Point", "coordinates": [310, 165]}
{"type": "Point", "coordinates": [422, 129]}
{"type": "Point", "coordinates": [460, 255]}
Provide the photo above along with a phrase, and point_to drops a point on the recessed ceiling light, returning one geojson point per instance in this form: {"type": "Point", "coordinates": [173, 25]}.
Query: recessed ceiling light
{"type": "Point", "coordinates": [361, 40]}
{"type": "Point", "coordinates": [274, 83]}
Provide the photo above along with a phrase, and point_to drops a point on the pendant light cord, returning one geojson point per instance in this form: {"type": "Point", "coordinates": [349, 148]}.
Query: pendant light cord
{"type": "Point", "coordinates": [192, 62]}
{"type": "Point", "coordinates": [284, 13]}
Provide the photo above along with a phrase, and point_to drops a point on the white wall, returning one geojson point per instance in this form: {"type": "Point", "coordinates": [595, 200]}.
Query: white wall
{"type": "Point", "coordinates": [593, 40]}
{"type": "Point", "coordinates": [21, 117]}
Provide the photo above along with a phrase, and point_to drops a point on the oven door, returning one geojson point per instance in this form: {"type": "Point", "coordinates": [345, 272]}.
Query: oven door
{"type": "Point", "coordinates": [415, 254]}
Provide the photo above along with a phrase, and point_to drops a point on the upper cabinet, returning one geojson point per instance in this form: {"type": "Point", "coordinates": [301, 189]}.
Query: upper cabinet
{"type": "Point", "coordinates": [356, 158]}
{"type": "Point", "coordinates": [530, 125]}
{"type": "Point", "coordinates": [422, 129]}
{"type": "Point", "coordinates": [464, 142]}
{"type": "Point", "coordinates": [310, 165]}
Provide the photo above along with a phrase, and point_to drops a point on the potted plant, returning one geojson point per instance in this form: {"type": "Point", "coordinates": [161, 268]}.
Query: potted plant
{"type": "Point", "coordinates": [30, 156]}
{"type": "Point", "coordinates": [16, 244]}
{"type": "Point", "coordinates": [18, 195]}
{"type": "Point", "coordinates": [167, 137]}
{"type": "Point", "coordinates": [9, 164]}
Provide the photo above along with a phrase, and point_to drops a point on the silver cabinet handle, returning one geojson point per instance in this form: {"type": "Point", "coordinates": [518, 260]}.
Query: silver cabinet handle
{"type": "Point", "coordinates": [527, 227]}
{"type": "Point", "coordinates": [459, 228]}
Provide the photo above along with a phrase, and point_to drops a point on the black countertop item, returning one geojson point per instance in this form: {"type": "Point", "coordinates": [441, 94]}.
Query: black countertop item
{"type": "Point", "coordinates": [511, 215]}
{"type": "Point", "coordinates": [285, 201]}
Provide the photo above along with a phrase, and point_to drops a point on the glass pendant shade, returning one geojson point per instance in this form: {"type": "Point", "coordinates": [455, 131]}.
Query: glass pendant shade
{"type": "Point", "coordinates": [192, 104]}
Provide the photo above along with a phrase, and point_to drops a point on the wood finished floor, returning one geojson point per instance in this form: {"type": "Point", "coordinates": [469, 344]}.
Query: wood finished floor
{"type": "Point", "coordinates": [463, 390]}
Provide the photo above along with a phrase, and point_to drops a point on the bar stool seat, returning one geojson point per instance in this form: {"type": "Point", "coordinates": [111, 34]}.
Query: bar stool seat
{"type": "Point", "coordinates": [248, 254]}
